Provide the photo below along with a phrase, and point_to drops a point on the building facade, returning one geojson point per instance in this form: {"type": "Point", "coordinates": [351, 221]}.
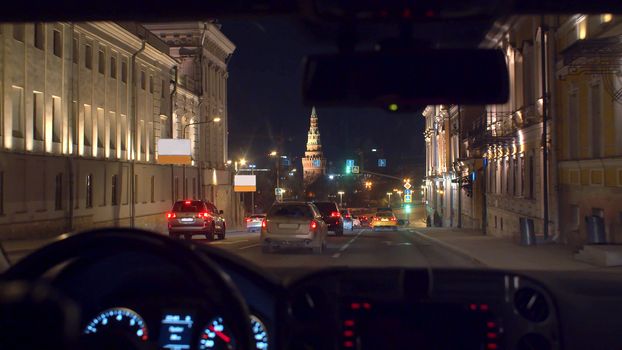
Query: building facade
{"type": "Point", "coordinates": [82, 107]}
{"type": "Point", "coordinates": [313, 163]}
{"type": "Point", "coordinates": [588, 92]}
{"type": "Point", "coordinates": [500, 152]}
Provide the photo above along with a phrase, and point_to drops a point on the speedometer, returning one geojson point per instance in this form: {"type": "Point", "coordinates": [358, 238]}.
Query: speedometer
{"type": "Point", "coordinates": [118, 320]}
{"type": "Point", "coordinates": [260, 334]}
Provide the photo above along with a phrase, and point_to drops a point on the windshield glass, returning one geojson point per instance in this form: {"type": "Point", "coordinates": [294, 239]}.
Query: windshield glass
{"type": "Point", "coordinates": [99, 130]}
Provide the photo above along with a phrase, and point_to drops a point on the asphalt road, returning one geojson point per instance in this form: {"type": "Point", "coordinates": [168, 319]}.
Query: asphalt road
{"type": "Point", "coordinates": [361, 247]}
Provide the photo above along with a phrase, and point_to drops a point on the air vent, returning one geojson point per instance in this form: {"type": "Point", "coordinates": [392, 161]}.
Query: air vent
{"type": "Point", "coordinates": [531, 304]}
{"type": "Point", "coordinates": [533, 341]}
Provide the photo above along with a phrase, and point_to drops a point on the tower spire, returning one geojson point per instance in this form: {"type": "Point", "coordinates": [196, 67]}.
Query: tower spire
{"type": "Point", "coordinates": [314, 163]}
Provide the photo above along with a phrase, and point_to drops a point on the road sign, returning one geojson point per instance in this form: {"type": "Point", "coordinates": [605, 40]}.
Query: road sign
{"type": "Point", "coordinates": [382, 163]}
{"type": "Point", "coordinates": [408, 198]}
{"type": "Point", "coordinates": [350, 162]}
{"type": "Point", "coordinates": [408, 192]}
{"type": "Point", "coordinates": [278, 191]}
{"type": "Point", "coordinates": [407, 186]}
{"type": "Point", "coordinates": [174, 151]}
{"type": "Point", "coordinates": [355, 169]}
{"type": "Point", "coordinates": [244, 183]}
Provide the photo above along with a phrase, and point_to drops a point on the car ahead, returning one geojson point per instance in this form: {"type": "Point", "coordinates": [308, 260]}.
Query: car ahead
{"type": "Point", "coordinates": [253, 222]}
{"type": "Point", "coordinates": [348, 222]}
{"type": "Point", "coordinates": [356, 222]}
{"type": "Point", "coordinates": [295, 225]}
{"type": "Point", "coordinates": [384, 220]}
{"type": "Point", "coordinates": [331, 216]}
{"type": "Point", "coordinates": [194, 217]}
{"type": "Point", "coordinates": [363, 220]}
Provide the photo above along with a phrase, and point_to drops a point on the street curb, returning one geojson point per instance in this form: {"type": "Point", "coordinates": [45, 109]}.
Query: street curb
{"type": "Point", "coordinates": [451, 247]}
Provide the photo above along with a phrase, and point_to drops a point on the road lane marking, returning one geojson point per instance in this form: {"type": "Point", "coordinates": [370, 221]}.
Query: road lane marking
{"type": "Point", "coordinates": [229, 242]}
{"type": "Point", "coordinates": [345, 246]}
{"type": "Point", "coordinates": [250, 246]}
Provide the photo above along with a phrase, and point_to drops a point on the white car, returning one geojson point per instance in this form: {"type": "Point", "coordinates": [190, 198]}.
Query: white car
{"type": "Point", "coordinates": [356, 223]}
{"type": "Point", "coordinates": [253, 222]}
{"type": "Point", "coordinates": [293, 225]}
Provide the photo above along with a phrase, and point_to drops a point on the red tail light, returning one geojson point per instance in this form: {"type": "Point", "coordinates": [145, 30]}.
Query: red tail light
{"type": "Point", "coordinates": [170, 215]}
{"type": "Point", "coordinates": [187, 202]}
{"type": "Point", "coordinates": [335, 214]}
{"type": "Point", "coordinates": [313, 225]}
{"type": "Point", "coordinates": [393, 218]}
{"type": "Point", "coordinates": [203, 214]}
{"type": "Point", "coordinates": [264, 224]}
{"type": "Point", "coordinates": [347, 216]}
{"type": "Point", "coordinates": [248, 219]}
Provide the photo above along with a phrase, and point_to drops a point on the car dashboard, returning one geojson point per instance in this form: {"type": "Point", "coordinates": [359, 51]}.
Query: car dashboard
{"type": "Point", "coordinates": [154, 304]}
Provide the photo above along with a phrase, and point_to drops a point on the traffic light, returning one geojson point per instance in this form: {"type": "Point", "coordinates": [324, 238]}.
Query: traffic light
{"type": "Point", "coordinates": [348, 170]}
{"type": "Point", "coordinates": [407, 208]}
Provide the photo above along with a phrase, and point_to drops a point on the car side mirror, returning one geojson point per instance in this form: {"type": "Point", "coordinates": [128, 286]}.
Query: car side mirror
{"type": "Point", "coordinates": [220, 212]}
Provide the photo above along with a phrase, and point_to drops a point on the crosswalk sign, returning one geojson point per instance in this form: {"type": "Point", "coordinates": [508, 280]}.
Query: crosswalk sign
{"type": "Point", "coordinates": [408, 198]}
{"type": "Point", "coordinates": [350, 162]}
{"type": "Point", "coordinates": [408, 192]}
{"type": "Point", "coordinates": [355, 169]}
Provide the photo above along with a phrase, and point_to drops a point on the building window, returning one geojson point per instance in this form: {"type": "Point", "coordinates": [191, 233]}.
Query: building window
{"type": "Point", "coordinates": [89, 191]}
{"type": "Point", "coordinates": [176, 188]}
{"type": "Point", "coordinates": [74, 122]}
{"type": "Point", "coordinates": [88, 125]}
{"type": "Point", "coordinates": [39, 36]}
{"type": "Point", "coordinates": [522, 176]}
{"type": "Point", "coordinates": [88, 57]}
{"type": "Point", "coordinates": [17, 108]}
{"type": "Point", "coordinates": [18, 32]}
{"type": "Point", "coordinates": [507, 176]}
{"type": "Point", "coordinates": [163, 90]}
{"type": "Point", "coordinates": [143, 80]}
{"type": "Point", "coordinates": [56, 119]}
{"type": "Point", "coordinates": [597, 123]}
{"type": "Point", "coordinates": [113, 67]}
{"type": "Point", "coordinates": [151, 84]}
{"type": "Point", "coordinates": [58, 193]}
{"type": "Point", "coordinates": [573, 126]}
{"type": "Point", "coordinates": [57, 43]}
{"type": "Point", "coordinates": [124, 71]}
{"type": "Point", "coordinates": [531, 177]}
{"type": "Point", "coordinates": [152, 189]}
{"type": "Point", "coordinates": [37, 116]}
{"type": "Point", "coordinates": [136, 189]}
{"type": "Point", "coordinates": [575, 215]}
{"type": "Point", "coordinates": [101, 62]}
{"type": "Point", "coordinates": [123, 135]}
{"type": "Point", "coordinates": [113, 132]}
{"type": "Point", "coordinates": [514, 170]}
{"type": "Point", "coordinates": [75, 51]}
{"type": "Point", "coordinates": [114, 198]}
{"type": "Point", "coordinates": [100, 128]}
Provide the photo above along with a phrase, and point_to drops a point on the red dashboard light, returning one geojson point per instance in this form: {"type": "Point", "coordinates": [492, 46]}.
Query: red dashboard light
{"type": "Point", "coordinates": [473, 307]}
{"type": "Point", "coordinates": [355, 306]}
{"type": "Point", "coordinates": [348, 344]}
{"type": "Point", "coordinates": [348, 323]}
{"type": "Point", "coordinates": [483, 307]}
{"type": "Point", "coordinates": [491, 346]}
{"type": "Point", "coordinates": [348, 333]}
{"type": "Point", "coordinates": [367, 306]}
{"type": "Point", "coordinates": [491, 324]}
{"type": "Point", "coordinates": [491, 335]}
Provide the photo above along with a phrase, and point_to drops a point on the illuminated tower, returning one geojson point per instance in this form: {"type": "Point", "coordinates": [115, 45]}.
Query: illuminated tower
{"type": "Point", "coordinates": [314, 163]}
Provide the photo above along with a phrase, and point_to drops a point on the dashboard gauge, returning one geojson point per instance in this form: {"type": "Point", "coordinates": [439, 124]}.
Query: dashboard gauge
{"type": "Point", "coordinates": [118, 320]}
{"type": "Point", "coordinates": [216, 336]}
{"type": "Point", "coordinates": [260, 334]}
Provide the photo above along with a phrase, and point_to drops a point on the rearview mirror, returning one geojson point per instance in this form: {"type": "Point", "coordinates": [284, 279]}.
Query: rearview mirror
{"type": "Point", "coordinates": [399, 80]}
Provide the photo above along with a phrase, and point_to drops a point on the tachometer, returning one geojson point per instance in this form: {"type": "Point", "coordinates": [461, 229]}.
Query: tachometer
{"type": "Point", "coordinates": [260, 334]}
{"type": "Point", "coordinates": [216, 337]}
{"type": "Point", "coordinates": [118, 320]}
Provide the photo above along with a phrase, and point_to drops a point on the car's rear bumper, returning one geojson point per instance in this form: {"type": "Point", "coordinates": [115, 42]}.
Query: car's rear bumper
{"type": "Point", "coordinates": [293, 241]}
{"type": "Point", "coordinates": [188, 228]}
{"type": "Point", "coordinates": [253, 225]}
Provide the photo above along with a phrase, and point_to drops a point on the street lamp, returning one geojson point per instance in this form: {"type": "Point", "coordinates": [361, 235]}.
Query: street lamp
{"type": "Point", "coordinates": [340, 193]}
{"type": "Point", "coordinates": [213, 120]}
{"type": "Point", "coordinates": [389, 195]}
{"type": "Point", "coordinates": [278, 180]}
{"type": "Point", "coordinates": [273, 153]}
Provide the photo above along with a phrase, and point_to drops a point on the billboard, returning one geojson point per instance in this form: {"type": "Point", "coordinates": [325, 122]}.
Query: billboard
{"type": "Point", "coordinates": [174, 151]}
{"type": "Point", "coordinates": [245, 183]}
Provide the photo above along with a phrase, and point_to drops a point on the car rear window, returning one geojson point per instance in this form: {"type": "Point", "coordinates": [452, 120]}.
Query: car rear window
{"type": "Point", "coordinates": [189, 206]}
{"type": "Point", "coordinates": [257, 216]}
{"type": "Point", "coordinates": [291, 211]}
{"type": "Point", "coordinates": [384, 214]}
{"type": "Point", "coordinates": [326, 207]}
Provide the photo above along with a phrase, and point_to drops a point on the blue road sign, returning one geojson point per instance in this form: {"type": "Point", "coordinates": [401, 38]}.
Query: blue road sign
{"type": "Point", "coordinates": [350, 162]}
{"type": "Point", "coordinates": [382, 163]}
{"type": "Point", "coordinates": [408, 192]}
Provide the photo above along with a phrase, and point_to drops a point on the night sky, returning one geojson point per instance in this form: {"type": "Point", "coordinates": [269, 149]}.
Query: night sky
{"type": "Point", "coordinates": [265, 102]}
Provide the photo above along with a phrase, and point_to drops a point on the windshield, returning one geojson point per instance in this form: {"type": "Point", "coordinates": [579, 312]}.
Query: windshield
{"type": "Point", "coordinates": [290, 211]}
{"type": "Point", "coordinates": [99, 130]}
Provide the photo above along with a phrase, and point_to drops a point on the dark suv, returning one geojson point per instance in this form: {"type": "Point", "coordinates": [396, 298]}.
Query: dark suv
{"type": "Point", "coordinates": [331, 216]}
{"type": "Point", "coordinates": [192, 217]}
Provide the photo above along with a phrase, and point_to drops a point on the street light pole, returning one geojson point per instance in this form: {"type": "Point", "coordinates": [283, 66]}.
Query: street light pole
{"type": "Point", "coordinates": [340, 193]}
{"type": "Point", "coordinates": [214, 120]}
{"type": "Point", "coordinates": [389, 195]}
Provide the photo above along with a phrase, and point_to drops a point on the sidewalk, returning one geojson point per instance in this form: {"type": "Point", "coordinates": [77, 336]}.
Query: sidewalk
{"type": "Point", "coordinates": [503, 253]}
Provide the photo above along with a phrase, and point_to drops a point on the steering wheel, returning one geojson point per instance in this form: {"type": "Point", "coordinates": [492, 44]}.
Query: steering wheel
{"type": "Point", "coordinates": [215, 285]}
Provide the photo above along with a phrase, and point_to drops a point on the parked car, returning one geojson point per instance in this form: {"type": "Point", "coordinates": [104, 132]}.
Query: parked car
{"type": "Point", "coordinates": [253, 222]}
{"type": "Point", "coordinates": [196, 217]}
{"type": "Point", "coordinates": [331, 216]}
{"type": "Point", "coordinates": [384, 220]}
{"type": "Point", "coordinates": [348, 223]}
{"type": "Point", "coordinates": [293, 224]}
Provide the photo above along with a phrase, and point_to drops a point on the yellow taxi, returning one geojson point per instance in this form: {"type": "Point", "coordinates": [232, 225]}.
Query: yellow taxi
{"type": "Point", "coordinates": [384, 220]}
